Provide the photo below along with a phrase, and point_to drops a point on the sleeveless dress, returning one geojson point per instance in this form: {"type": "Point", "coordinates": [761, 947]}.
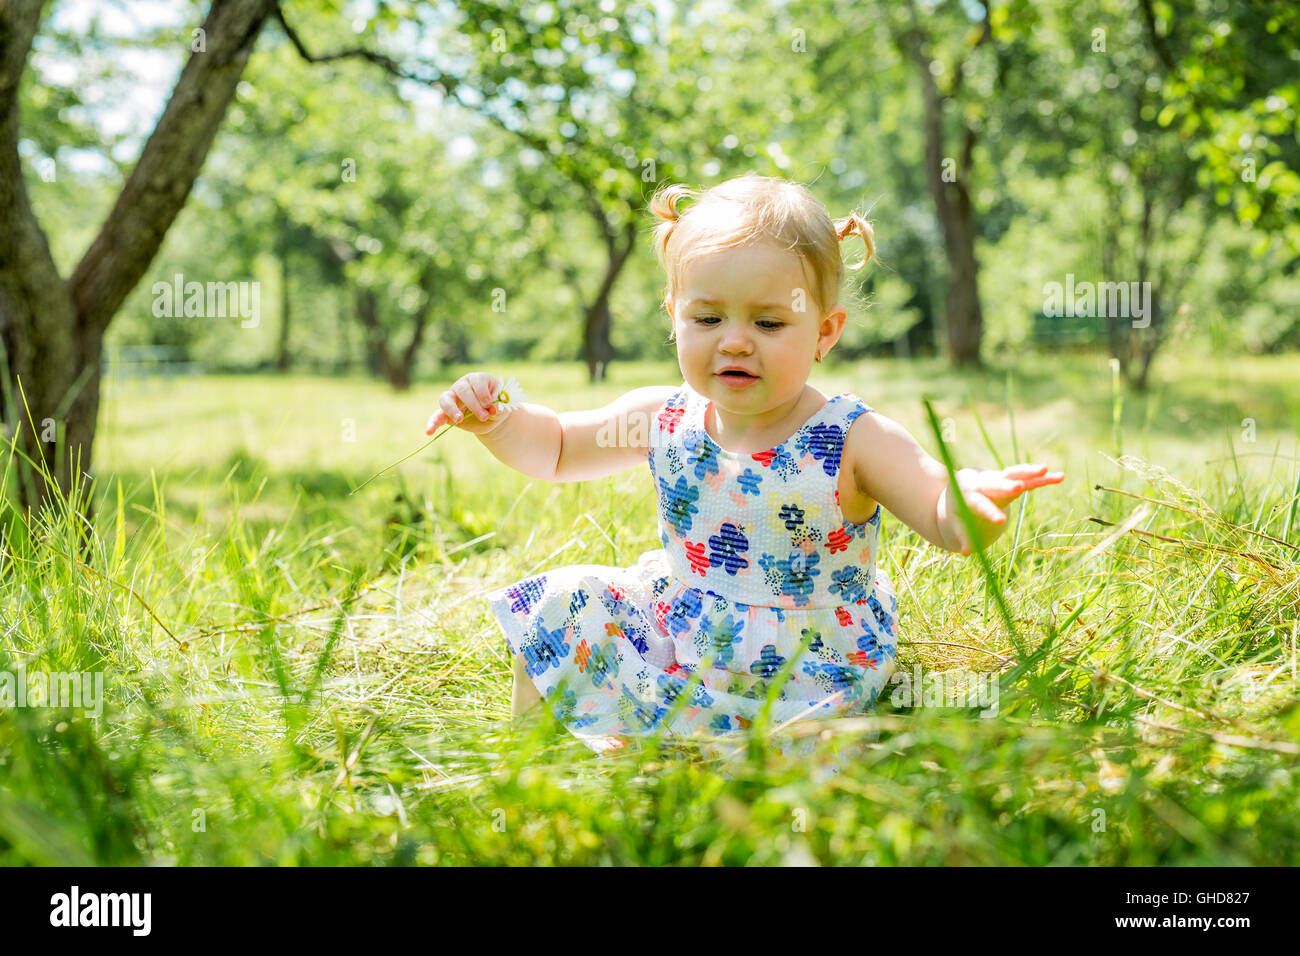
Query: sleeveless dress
{"type": "Point", "coordinates": [758, 567]}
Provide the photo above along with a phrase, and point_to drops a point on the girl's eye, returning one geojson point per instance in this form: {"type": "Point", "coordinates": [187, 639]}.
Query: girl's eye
{"type": "Point", "coordinates": [768, 325]}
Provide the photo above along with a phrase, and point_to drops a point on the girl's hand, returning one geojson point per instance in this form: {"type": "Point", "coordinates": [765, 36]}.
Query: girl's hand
{"type": "Point", "coordinates": [470, 404]}
{"type": "Point", "coordinates": [984, 489]}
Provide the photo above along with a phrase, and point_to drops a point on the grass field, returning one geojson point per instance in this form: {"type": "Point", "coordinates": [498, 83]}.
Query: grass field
{"type": "Point", "coordinates": [298, 675]}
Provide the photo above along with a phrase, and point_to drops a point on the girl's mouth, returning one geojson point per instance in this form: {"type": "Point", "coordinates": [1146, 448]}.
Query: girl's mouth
{"type": "Point", "coordinates": [737, 378]}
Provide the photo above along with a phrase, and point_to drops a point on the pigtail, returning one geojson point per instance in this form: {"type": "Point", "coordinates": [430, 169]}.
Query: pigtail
{"type": "Point", "coordinates": [855, 225]}
{"type": "Point", "coordinates": [663, 204]}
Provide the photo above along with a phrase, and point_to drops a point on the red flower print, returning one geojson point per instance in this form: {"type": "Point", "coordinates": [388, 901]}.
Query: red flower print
{"type": "Point", "coordinates": [661, 614]}
{"type": "Point", "coordinates": [670, 418]}
{"type": "Point", "coordinates": [844, 617]}
{"type": "Point", "coordinates": [859, 658]}
{"type": "Point", "coordinates": [613, 630]}
{"type": "Point", "coordinates": [744, 724]}
{"type": "Point", "coordinates": [838, 540]}
{"type": "Point", "coordinates": [695, 554]}
{"type": "Point", "coordinates": [764, 458]}
{"type": "Point", "coordinates": [616, 593]}
{"type": "Point", "coordinates": [583, 656]}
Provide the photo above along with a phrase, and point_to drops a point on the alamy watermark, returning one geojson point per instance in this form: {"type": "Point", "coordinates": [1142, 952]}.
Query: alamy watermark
{"type": "Point", "coordinates": [75, 908]}
{"type": "Point", "coordinates": [53, 689]}
{"type": "Point", "coordinates": [1121, 300]}
{"type": "Point", "coordinates": [208, 300]}
{"type": "Point", "coordinates": [636, 430]}
{"type": "Point", "coordinates": [954, 689]}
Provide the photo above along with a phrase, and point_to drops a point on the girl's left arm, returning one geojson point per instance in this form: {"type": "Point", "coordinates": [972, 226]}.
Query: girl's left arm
{"type": "Point", "coordinates": [889, 466]}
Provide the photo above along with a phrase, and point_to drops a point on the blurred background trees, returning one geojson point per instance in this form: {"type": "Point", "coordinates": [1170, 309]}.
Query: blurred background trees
{"type": "Point", "coordinates": [415, 185]}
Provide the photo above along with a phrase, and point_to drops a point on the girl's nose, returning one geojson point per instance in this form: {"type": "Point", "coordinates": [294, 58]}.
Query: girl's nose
{"type": "Point", "coordinates": [735, 340]}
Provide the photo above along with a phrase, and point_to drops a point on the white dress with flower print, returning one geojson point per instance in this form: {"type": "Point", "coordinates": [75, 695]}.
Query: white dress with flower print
{"type": "Point", "coordinates": [761, 586]}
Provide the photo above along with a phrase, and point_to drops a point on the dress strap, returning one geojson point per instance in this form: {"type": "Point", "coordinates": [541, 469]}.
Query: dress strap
{"type": "Point", "coordinates": [852, 408]}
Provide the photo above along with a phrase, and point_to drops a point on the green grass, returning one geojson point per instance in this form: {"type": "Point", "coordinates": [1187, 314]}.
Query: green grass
{"type": "Point", "coordinates": [333, 690]}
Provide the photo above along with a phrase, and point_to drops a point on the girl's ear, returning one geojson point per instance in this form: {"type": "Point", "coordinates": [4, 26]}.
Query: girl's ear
{"type": "Point", "coordinates": [832, 326]}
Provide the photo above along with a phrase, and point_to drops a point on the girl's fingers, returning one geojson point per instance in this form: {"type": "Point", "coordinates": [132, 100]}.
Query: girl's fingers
{"type": "Point", "coordinates": [450, 408]}
{"type": "Point", "coordinates": [1034, 475]}
{"type": "Point", "coordinates": [1044, 482]}
{"type": "Point", "coordinates": [486, 389]}
{"type": "Point", "coordinates": [465, 392]}
{"type": "Point", "coordinates": [995, 487]}
{"type": "Point", "coordinates": [984, 508]}
{"type": "Point", "coordinates": [1024, 471]}
{"type": "Point", "coordinates": [1052, 478]}
{"type": "Point", "coordinates": [436, 421]}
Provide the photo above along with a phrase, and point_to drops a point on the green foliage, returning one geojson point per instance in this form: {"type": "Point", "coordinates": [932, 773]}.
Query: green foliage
{"type": "Point", "coordinates": [294, 675]}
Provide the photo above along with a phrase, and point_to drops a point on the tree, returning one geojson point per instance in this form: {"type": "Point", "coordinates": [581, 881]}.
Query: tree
{"type": "Point", "coordinates": [52, 328]}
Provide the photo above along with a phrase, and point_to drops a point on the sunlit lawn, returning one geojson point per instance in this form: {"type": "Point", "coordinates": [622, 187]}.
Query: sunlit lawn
{"type": "Point", "coordinates": [335, 690]}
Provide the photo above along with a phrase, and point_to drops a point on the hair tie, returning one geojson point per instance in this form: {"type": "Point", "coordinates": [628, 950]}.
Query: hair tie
{"type": "Point", "coordinates": [855, 225]}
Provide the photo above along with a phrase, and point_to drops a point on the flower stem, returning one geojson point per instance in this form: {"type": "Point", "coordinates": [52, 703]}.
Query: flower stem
{"type": "Point", "coordinates": [400, 460]}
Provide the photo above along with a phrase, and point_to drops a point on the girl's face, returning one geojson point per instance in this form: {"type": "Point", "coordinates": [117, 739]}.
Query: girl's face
{"type": "Point", "coordinates": [748, 329]}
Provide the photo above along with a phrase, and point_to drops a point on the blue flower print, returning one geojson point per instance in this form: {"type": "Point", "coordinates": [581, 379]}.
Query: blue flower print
{"type": "Point", "coordinates": [564, 704]}
{"type": "Point", "coordinates": [700, 697]}
{"type": "Point", "coordinates": [646, 715]}
{"type": "Point", "coordinates": [721, 723]}
{"type": "Point", "coordinates": [882, 616]}
{"type": "Point", "coordinates": [577, 602]}
{"type": "Point", "coordinates": [825, 443]}
{"type": "Point", "coordinates": [867, 643]}
{"type": "Point", "coordinates": [523, 595]}
{"type": "Point", "coordinates": [671, 687]}
{"type": "Point", "coordinates": [679, 503]}
{"type": "Point", "coordinates": [701, 453]}
{"type": "Point", "coordinates": [749, 480]}
{"type": "Point", "coordinates": [549, 648]}
{"type": "Point", "coordinates": [768, 663]}
{"type": "Point", "coordinates": [727, 547]}
{"type": "Point", "coordinates": [636, 635]}
{"type": "Point", "coordinates": [783, 463]}
{"type": "Point", "coordinates": [833, 677]}
{"type": "Point", "coordinates": [847, 581]}
{"type": "Point", "coordinates": [686, 607]}
{"type": "Point", "coordinates": [602, 663]}
{"type": "Point", "coordinates": [720, 639]}
{"type": "Point", "coordinates": [792, 515]}
{"type": "Point", "coordinates": [792, 576]}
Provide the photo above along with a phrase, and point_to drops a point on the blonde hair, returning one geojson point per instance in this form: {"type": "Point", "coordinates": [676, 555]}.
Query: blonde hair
{"type": "Point", "coordinates": [753, 208]}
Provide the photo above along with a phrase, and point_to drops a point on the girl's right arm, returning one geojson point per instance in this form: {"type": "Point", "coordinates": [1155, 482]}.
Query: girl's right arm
{"type": "Point", "coordinates": [533, 439]}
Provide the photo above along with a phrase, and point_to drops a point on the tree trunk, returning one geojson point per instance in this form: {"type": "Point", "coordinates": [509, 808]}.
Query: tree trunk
{"type": "Point", "coordinates": [368, 316]}
{"type": "Point", "coordinates": [397, 370]}
{"type": "Point", "coordinates": [53, 330]}
{"type": "Point", "coordinates": [965, 318]}
{"type": "Point", "coordinates": [597, 349]}
{"type": "Point", "coordinates": [282, 359]}
{"type": "Point", "coordinates": [948, 179]}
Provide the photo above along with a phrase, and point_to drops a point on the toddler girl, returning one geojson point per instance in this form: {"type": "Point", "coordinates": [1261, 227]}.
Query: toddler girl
{"type": "Point", "coordinates": [769, 495]}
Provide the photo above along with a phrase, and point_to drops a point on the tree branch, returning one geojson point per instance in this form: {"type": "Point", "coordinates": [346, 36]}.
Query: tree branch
{"type": "Point", "coordinates": [160, 184]}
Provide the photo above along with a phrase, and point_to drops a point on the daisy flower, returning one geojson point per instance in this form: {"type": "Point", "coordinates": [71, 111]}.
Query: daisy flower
{"type": "Point", "coordinates": [511, 397]}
